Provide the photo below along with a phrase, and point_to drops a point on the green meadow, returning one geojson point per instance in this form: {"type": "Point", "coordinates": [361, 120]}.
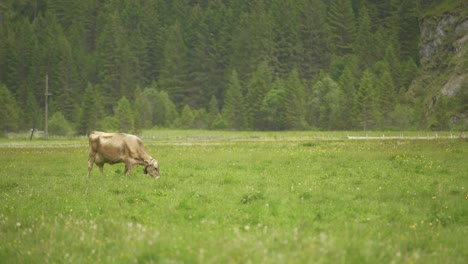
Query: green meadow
{"type": "Point", "coordinates": [232, 197]}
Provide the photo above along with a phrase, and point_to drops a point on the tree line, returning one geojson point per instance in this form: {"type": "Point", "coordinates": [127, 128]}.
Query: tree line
{"type": "Point", "coordinates": [235, 64]}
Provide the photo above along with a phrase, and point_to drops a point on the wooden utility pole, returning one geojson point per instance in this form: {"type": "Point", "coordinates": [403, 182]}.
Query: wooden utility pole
{"type": "Point", "coordinates": [46, 128]}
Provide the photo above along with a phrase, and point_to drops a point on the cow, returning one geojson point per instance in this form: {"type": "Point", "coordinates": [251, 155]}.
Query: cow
{"type": "Point", "coordinates": [117, 148]}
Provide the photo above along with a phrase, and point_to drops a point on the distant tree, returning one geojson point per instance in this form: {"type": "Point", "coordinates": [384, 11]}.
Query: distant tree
{"type": "Point", "coordinates": [200, 119]}
{"type": "Point", "coordinates": [163, 110]}
{"type": "Point", "coordinates": [57, 61]}
{"type": "Point", "coordinates": [184, 51]}
{"type": "Point", "coordinates": [114, 57]}
{"type": "Point", "coordinates": [363, 44]}
{"type": "Point", "coordinates": [287, 52]}
{"type": "Point", "coordinates": [125, 116]}
{"type": "Point", "coordinates": [110, 123]}
{"type": "Point", "coordinates": [257, 88]}
{"type": "Point", "coordinates": [315, 38]}
{"type": "Point", "coordinates": [442, 114]}
{"type": "Point", "coordinates": [273, 107]}
{"type": "Point", "coordinates": [252, 41]}
{"type": "Point", "coordinates": [213, 111]}
{"type": "Point", "coordinates": [187, 118]}
{"type": "Point", "coordinates": [33, 116]}
{"type": "Point", "coordinates": [348, 93]}
{"type": "Point", "coordinates": [89, 112]}
{"type": "Point", "coordinates": [365, 106]}
{"type": "Point", "coordinates": [207, 50]}
{"type": "Point", "coordinates": [385, 92]}
{"type": "Point", "coordinates": [408, 25]}
{"type": "Point", "coordinates": [324, 104]}
{"type": "Point", "coordinates": [174, 70]}
{"type": "Point", "coordinates": [342, 23]}
{"type": "Point", "coordinates": [9, 111]}
{"type": "Point", "coordinates": [394, 65]}
{"type": "Point", "coordinates": [330, 108]}
{"type": "Point", "coordinates": [295, 102]}
{"type": "Point", "coordinates": [59, 125]}
{"type": "Point", "coordinates": [170, 111]}
{"type": "Point", "coordinates": [143, 111]}
{"type": "Point", "coordinates": [21, 67]}
{"type": "Point", "coordinates": [234, 107]}
{"type": "Point", "coordinates": [402, 117]}
{"type": "Point", "coordinates": [409, 71]}
{"type": "Point", "coordinates": [338, 65]}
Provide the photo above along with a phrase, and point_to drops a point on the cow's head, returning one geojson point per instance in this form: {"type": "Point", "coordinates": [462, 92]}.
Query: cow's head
{"type": "Point", "coordinates": [152, 167]}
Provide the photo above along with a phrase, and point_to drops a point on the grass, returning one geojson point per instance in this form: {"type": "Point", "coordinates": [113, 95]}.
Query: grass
{"type": "Point", "coordinates": [238, 199]}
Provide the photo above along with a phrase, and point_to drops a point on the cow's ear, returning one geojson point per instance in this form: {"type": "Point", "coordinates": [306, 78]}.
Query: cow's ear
{"type": "Point", "coordinates": [145, 170]}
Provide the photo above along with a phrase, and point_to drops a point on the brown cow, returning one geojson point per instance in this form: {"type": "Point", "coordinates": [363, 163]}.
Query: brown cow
{"type": "Point", "coordinates": [119, 147]}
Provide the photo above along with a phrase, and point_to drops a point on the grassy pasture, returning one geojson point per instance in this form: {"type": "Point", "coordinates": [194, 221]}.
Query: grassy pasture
{"type": "Point", "coordinates": [266, 198]}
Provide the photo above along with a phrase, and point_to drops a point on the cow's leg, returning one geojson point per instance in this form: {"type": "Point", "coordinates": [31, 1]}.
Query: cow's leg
{"type": "Point", "coordinates": [129, 168]}
{"type": "Point", "coordinates": [101, 169]}
{"type": "Point", "coordinates": [91, 159]}
{"type": "Point", "coordinates": [125, 170]}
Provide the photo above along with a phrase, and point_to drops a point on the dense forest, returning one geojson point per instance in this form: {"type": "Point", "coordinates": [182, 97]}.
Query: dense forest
{"type": "Point", "coordinates": [128, 65]}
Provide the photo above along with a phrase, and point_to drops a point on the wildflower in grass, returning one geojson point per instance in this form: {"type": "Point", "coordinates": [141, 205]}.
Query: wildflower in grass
{"type": "Point", "coordinates": [434, 197]}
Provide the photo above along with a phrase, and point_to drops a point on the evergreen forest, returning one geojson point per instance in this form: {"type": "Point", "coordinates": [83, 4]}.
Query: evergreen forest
{"type": "Point", "coordinates": [128, 65]}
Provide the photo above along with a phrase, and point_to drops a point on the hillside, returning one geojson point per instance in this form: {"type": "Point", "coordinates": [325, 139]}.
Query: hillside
{"type": "Point", "coordinates": [238, 65]}
{"type": "Point", "coordinates": [443, 83]}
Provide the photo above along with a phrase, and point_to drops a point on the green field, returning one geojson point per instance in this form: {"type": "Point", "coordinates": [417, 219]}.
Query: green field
{"type": "Point", "coordinates": [238, 198]}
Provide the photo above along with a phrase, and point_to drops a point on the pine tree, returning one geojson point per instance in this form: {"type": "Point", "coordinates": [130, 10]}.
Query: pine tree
{"type": "Point", "coordinates": [234, 107]}
{"type": "Point", "coordinates": [213, 111]}
{"type": "Point", "coordinates": [170, 110]}
{"type": "Point", "coordinates": [206, 53]}
{"type": "Point", "coordinates": [163, 110]}
{"type": "Point", "coordinates": [173, 76]}
{"type": "Point", "coordinates": [143, 111]}
{"type": "Point", "coordinates": [295, 104]}
{"type": "Point", "coordinates": [315, 38]}
{"type": "Point", "coordinates": [342, 26]}
{"type": "Point", "coordinates": [59, 125]}
{"type": "Point", "coordinates": [125, 116]}
{"type": "Point", "coordinates": [257, 88]}
{"type": "Point", "coordinates": [89, 113]}
{"type": "Point", "coordinates": [365, 111]}
{"type": "Point", "coordinates": [330, 107]}
{"type": "Point", "coordinates": [32, 113]}
{"type": "Point", "coordinates": [66, 77]}
{"type": "Point", "coordinates": [287, 49]}
{"type": "Point", "coordinates": [394, 65]}
{"type": "Point", "coordinates": [9, 110]}
{"type": "Point", "coordinates": [408, 33]}
{"type": "Point", "coordinates": [348, 92]}
{"type": "Point", "coordinates": [387, 96]}
{"type": "Point", "coordinates": [253, 39]}
{"type": "Point", "coordinates": [363, 43]}
{"type": "Point", "coordinates": [409, 72]}
{"type": "Point", "coordinates": [135, 29]}
{"type": "Point", "coordinates": [187, 118]}
{"type": "Point", "coordinates": [324, 104]}
{"type": "Point", "coordinates": [273, 107]}
{"type": "Point", "coordinates": [21, 68]}
{"type": "Point", "coordinates": [114, 59]}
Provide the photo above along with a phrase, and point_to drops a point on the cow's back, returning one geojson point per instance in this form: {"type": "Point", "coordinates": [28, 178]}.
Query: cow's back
{"type": "Point", "coordinates": [114, 147]}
